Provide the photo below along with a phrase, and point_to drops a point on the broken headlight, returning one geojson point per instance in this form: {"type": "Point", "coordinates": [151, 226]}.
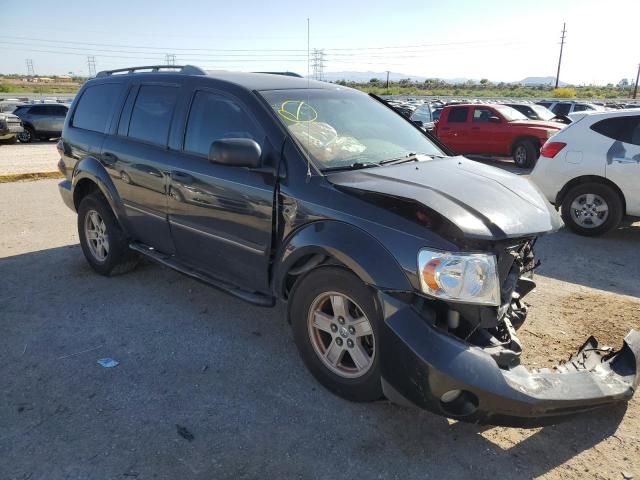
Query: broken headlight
{"type": "Point", "coordinates": [460, 277]}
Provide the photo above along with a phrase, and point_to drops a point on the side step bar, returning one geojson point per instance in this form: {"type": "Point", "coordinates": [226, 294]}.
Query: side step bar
{"type": "Point", "coordinates": [258, 299]}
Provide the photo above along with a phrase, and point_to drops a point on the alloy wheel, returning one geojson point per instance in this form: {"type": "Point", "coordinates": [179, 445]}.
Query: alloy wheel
{"type": "Point", "coordinates": [589, 210]}
{"type": "Point", "coordinates": [520, 155]}
{"type": "Point", "coordinates": [95, 232]}
{"type": "Point", "coordinates": [341, 335]}
{"type": "Point", "coordinates": [24, 136]}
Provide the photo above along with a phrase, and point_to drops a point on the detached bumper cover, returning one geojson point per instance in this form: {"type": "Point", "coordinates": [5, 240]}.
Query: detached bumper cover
{"type": "Point", "coordinates": [421, 364]}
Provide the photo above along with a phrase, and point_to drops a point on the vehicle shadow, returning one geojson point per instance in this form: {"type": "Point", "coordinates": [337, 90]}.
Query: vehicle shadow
{"type": "Point", "coordinates": [226, 370]}
{"type": "Point", "coordinates": [610, 262]}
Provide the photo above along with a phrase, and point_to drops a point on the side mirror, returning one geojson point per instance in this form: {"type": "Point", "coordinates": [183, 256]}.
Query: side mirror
{"type": "Point", "coordinates": [494, 119]}
{"type": "Point", "coordinates": [236, 152]}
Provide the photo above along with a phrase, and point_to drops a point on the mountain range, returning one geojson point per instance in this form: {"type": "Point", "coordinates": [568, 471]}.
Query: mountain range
{"type": "Point", "coordinates": [364, 77]}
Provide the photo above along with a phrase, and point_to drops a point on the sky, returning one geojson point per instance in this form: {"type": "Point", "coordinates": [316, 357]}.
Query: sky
{"type": "Point", "coordinates": [498, 40]}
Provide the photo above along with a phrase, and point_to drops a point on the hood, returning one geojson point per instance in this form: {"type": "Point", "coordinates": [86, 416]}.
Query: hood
{"type": "Point", "coordinates": [538, 123]}
{"type": "Point", "coordinates": [482, 201]}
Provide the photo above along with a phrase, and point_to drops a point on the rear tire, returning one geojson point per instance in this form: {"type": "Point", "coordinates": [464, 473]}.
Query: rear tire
{"type": "Point", "coordinates": [525, 154]}
{"type": "Point", "coordinates": [27, 136]}
{"type": "Point", "coordinates": [349, 329]}
{"type": "Point", "coordinates": [592, 209]}
{"type": "Point", "coordinates": [104, 244]}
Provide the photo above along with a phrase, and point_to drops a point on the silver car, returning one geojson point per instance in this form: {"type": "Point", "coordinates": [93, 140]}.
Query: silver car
{"type": "Point", "coordinates": [41, 121]}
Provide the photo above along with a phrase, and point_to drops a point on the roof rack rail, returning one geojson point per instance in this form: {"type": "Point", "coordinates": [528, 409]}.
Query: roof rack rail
{"type": "Point", "coordinates": [182, 69]}
{"type": "Point", "coordinates": [286, 74]}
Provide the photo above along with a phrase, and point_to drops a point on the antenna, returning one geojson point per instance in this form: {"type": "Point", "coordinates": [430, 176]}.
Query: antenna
{"type": "Point", "coordinates": [308, 105]}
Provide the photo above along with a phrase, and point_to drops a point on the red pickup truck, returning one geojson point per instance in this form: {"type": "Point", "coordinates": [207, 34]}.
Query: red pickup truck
{"type": "Point", "coordinates": [499, 130]}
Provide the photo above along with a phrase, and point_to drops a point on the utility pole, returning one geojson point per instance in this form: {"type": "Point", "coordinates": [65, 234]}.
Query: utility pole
{"type": "Point", "coordinates": [30, 70]}
{"type": "Point", "coordinates": [635, 89]}
{"type": "Point", "coordinates": [387, 84]}
{"type": "Point", "coordinates": [170, 58]}
{"type": "Point", "coordinates": [564, 31]}
{"type": "Point", "coordinates": [91, 63]}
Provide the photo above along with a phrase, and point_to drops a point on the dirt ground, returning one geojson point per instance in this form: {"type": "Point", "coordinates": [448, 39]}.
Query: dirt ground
{"type": "Point", "coordinates": [229, 373]}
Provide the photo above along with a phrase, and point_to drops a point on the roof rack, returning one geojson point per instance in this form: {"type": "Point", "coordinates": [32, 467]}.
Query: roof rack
{"type": "Point", "coordinates": [182, 69]}
{"type": "Point", "coordinates": [287, 74]}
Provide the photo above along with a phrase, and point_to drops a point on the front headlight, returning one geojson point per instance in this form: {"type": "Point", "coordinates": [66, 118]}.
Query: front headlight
{"type": "Point", "coordinates": [461, 277]}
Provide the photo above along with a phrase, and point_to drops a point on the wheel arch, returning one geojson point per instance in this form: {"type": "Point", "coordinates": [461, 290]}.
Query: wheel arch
{"type": "Point", "coordinates": [332, 242]}
{"type": "Point", "coordinates": [590, 179]}
{"type": "Point", "coordinates": [536, 141]}
{"type": "Point", "coordinates": [90, 176]}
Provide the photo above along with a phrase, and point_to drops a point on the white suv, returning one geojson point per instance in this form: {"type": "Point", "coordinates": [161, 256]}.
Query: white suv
{"type": "Point", "coordinates": [591, 169]}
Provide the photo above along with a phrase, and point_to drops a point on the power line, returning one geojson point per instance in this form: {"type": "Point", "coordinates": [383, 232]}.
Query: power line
{"type": "Point", "coordinates": [564, 31]}
{"type": "Point", "coordinates": [30, 71]}
{"type": "Point", "coordinates": [91, 63]}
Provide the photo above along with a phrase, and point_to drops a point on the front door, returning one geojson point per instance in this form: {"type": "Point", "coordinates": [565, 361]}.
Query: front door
{"type": "Point", "coordinates": [221, 215]}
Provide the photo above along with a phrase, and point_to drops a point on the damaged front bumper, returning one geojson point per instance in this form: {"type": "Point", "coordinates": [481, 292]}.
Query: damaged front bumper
{"type": "Point", "coordinates": [428, 368]}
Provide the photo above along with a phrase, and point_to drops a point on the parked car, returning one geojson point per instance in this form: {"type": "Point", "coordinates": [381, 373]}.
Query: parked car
{"type": "Point", "coordinates": [537, 112]}
{"type": "Point", "coordinates": [42, 121]}
{"type": "Point", "coordinates": [492, 129]}
{"type": "Point", "coordinates": [564, 108]}
{"type": "Point", "coordinates": [403, 269]}
{"type": "Point", "coordinates": [10, 128]}
{"type": "Point", "coordinates": [423, 116]}
{"type": "Point", "coordinates": [591, 170]}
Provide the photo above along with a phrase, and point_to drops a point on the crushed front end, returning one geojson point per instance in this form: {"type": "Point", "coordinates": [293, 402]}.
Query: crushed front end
{"type": "Point", "coordinates": [463, 360]}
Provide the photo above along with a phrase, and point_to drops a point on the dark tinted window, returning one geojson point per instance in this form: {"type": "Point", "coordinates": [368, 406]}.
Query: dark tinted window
{"type": "Point", "coordinates": [579, 107]}
{"type": "Point", "coordinates": [21, 110]}
{"type": "Point", "coordinates": [39, 110]}
{"type": "Point", "coordinates": [458, 114]}
{"type": "Point", "coordinates": [213, 117]}
{"type": "Point", "coordinates": [562, 109]}
{"type": "Point", "coordinates": [95, 107]}
{"type": "Point", "coordinates": [58, 110]}
{"type": "Point", "coordinates": [623, 129]}
{"type": "Point", "coordinates": [151, 115]}
{"type": "Point", "coordinates": [545, 104]}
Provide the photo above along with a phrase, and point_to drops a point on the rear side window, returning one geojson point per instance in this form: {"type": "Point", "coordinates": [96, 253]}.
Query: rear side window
{"type": "Point", "coordinates": [214, 116]}
{"type": "Point", "coordinates": [96, 106]}
{"type": "Point", "coordinates": [562, 109]}
{"type": "Point", "coordinates": [458, 114]}
{"type": "Point", "coordinates": [21, 111]}
{"type": "Point", "coordinates": [482, 114]}
{"type": "Point", "coordinates": [58, 111]}
{"type": "Point", "coordinates": [152, 112]}
{"type": "Point", "coordinates": [622, 129]}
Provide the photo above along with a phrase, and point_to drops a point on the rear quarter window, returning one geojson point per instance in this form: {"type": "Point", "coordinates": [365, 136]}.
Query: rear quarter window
{"type": "Point", "coordinates": [458, 115]}
{"type": "Point", "coordinates": [96, 106]}
{"type": "Point", "coordinates": [623, 129]}
{"type": "Point", "coordinates": [152, 112]}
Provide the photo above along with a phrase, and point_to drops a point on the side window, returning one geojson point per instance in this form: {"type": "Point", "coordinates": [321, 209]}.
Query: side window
{"type": "Point", "coordinates": [96, 106]}
{"type": "Point", "coordinates": [622, 129]}
{"type": "Point", "coordinates": [422, 114]}
{"type": "Point", "coordinates": [58, 111]}
{"type": "Point", "coordinates": [580, 107]}
{"type": "Point", "coordinates": [152, 111]}
{"type": "Point", "coordinates": [38, 110]}
{"type": "Point", "coordinates": [458, 114]}
{"type": "Point", "coordinates": [562, 109]}
{"type": "Point", "coordinates": [545, 104]}
{"type": "Point", "coordinates": [214, 116]}
{"type": "Point", "coordinates": [481, 114]}
{"type": "Point", "coordinates": [21, 111]}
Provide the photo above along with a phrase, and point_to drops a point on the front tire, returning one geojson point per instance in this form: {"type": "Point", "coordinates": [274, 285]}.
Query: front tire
{"type": "Point", "coordinates": [27, 135]}
{"type": "Point", "coordinates": [525, 154]}
{"type": "Point", "coordinates": [104, 244]}
{"type": "Point", "coordinates": [592, 209]}
{"type": "Point", "coordinates": [335, 321]}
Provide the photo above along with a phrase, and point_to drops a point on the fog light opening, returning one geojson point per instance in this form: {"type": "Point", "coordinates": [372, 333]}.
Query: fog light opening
{"type": "Point", "coordinates": [458, 403]}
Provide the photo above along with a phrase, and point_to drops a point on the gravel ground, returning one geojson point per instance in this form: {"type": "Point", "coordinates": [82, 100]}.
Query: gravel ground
{"type": "Point", "coordinates": [229, 374]}
{"type": "Point", "coordinates": [36, 157]}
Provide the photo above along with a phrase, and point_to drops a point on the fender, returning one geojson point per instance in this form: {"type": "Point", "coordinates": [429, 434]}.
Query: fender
{"type": "Point", "coordinates": [90, 168]}
{"type": "Point", "coordinates": [356, 249]}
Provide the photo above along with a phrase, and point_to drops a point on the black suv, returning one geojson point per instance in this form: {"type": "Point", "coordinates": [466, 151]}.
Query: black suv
{"type": "Point", "coordinates": [403, 268]}
{"type": "Point", "coordinates": [41, 121]}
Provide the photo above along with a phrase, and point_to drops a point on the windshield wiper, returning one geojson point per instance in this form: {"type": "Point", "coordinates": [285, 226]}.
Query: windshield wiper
{"type": "Point", "coordinates": [411, 157]}
{"type": "Point", "coordinates": [351, 166]}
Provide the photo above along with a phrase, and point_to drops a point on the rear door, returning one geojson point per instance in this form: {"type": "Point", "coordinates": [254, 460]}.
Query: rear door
{"type": "Point", "coordinates": [221, 215]}
{"type": "Point", "coordinates": [455, 129]}
{"type": "Point", "coordinates": [623, 156]}
{"type": "Point", "coordinates": [58, 114]}
{"type": "Point", "coordinates": [137, 157]}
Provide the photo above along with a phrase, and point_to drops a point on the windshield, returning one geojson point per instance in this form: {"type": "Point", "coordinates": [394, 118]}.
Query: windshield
{"type": "Point", "coordinates": [509, 113]}
{"type": "Point", "coordinates": [338, 128]}
{"type": "Point", "coordinates": [543, 113]}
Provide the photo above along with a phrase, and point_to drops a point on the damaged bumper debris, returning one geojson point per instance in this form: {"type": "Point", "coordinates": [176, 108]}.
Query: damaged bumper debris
{"type": "Point", "coordinates": [433, 369]}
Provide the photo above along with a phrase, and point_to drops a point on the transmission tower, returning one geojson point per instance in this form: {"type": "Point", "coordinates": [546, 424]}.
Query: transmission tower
{"type": "Point", "coordinates": [317, 63]}
{"type": "Point", "coordinates": [170, 59]}
{"type": "Point", "coordinates": [30, 71]}
{"type": "Point", "coordinates": [91, 63]}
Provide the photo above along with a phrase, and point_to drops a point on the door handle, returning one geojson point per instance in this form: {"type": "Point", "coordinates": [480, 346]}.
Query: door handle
{"type": "Point", "coordinates": [181, 177]}
{"type": "Point", "coordinates": [109, 158]}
